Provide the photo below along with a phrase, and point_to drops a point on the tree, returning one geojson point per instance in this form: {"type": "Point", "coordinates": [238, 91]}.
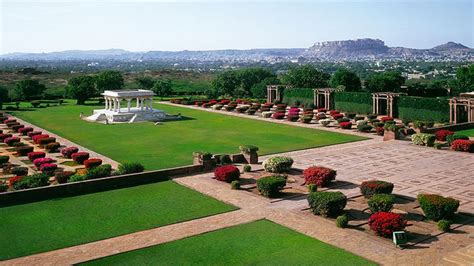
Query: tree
{"type": "Point", "coordinates": [346, 78]}
{"type": "Point", "coordinates": [259, 90]}
{"type": "Point", "coordinates": [3, 96]}
{"type": "Point", "coordinates": [387, 81]}
{"type": "Point", "coordinates": [464, 80]}
{"type": "Point", "coordinates": [28, 89]}
{"type": "Point", "coordinates": [306, 76]}
{"type": "Point", "coordinates": [145, 82]}
{"type": "Point", "coordinates": [82, 88]}
{"type": "Point", "coordinates": [162, 88]}
{"type": "Point", "coordinates": [225, 83]}
{"type": "Point", "coordinates": [109, 80]}
{"type": "Point", "coordinates": [250, 76]}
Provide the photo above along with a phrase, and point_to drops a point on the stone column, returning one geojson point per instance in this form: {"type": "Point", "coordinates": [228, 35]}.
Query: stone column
{"type": "Point", "coordinates": [151, 103]}
{"type": "Point", "coordinates": [138, 102]}
{"type": "Point", "coordinates": [128, 104]}
{"type": "Point", "coordinates": [450, 111]}
{"type": "Point", "coordinates": [106, 103]}
{"type": "Point", "coordinates": [118, 104]}
{"type": "Point", "coordinates": [141, 104]}
{"type": "Point", "coordinates": [373, 103]}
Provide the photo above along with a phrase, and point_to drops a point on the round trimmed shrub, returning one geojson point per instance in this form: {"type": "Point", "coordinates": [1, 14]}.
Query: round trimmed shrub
{"type": "Point", "coordinates": [62, 177]}
{"type": "Point", "coordinates": [130, 168]}
{"type": "Point", "coordinates": [462, 145]}
{"type": "Point", "coordinates": [4, 136]}
{"type": "Point", "coordinates": [11, 141]}
{"type": "Point", "coordinates": [247, 168]}
{"type": "Point", "coordinates": [278, 164]}
{"type": "Point", "coordinates": [36, 138]}
{"type": "Point", "coordinates": [444, 225]}
{"type": "Point", "coordinates": [99, 171]}
{"type": "Point", "coordinates": [320, 176]}
{"type": "Point", "coordinates": [342, 221]}
{"type": "Point", "coordinates": [385, 223]}
{"type": "Point", "coordinates": [312, 188]}
{"type": "Point", "coordinates": [48, 167]}
{"type": "Point", "coordinates": [67, 152]}
{"type": "Point", "coordinates": [436, 207]}
{"type": "Point", "coordinates": [53, 146]}
{"type": "Point", "coordinates": [345, 125]}
{"type": "Point", "coordinates": [35, 155]}
{"type": "Point", "coordinates": [20, 171]}
{"type": "Point", "coordinates": [24, 150]}
{"type": "Point", "coordinates": [94, 162]}
{"type": "Point", "coordinates": [381, 203]}
{"type": "Point", "coordinates": [24, 131]}
{"type": "Point", "coordinates": [442, 134]}
{"type": "Point", "coordinates": [327, 203]}
{"type": "Point", "coordinates": [369, 188]}
{"type": "Point", "coordinates": [46, 141]}
{"type": "Point", "coordinates": [271, 186]}
{"type": "Point", "coordinates": [227, 173]}
{"type": "Point", "coordinates": [4, 159]}
{"type": "Point", "coordinates": [80, 157]}
{"type": "Point", "coordinates": [33, 133]}
{"type": "Point", "coordinates": [38, 162]}
{"type": "Point", "coordinates": [225, 159]}
{"type": "Point", "coordinates": [17, 127]}
{"type": "Point", "coordinates": [235, 184]}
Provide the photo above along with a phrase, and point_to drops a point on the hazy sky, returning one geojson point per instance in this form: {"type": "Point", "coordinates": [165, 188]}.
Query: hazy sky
{"type": "Point", "coordinates": [43, 26]}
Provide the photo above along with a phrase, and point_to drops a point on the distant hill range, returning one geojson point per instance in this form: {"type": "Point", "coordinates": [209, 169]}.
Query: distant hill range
{"type": "Point", "coordinates": [352, 50]}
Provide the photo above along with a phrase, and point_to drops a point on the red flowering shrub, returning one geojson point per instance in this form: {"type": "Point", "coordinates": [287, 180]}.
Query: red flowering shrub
{"type": "Point", "coordinates": [33, 133]}
{"type": "Point", "coordinates": [322, 110]}
{"type": "Point", "coordinates": [93, 162]}
{"type": "Point", "coordinates": [369, 188]}
{"type": "Point", "coordinates": [24, 150]}
{"type": "Point", "coordinates": [345, 125]}
{"type": "Point", "coordinates": [337, 116]}
{"type": "Point", "coordinates": [45, 141]}
{"type": "Point", "coordinates": [13, 180]}
{"type": "Point", "coordinates": [321, 116]}
{"type": "Point", "coordinates": [25, 130]}
{"type": "Point", "coordinates": [36, 138]}
{"type": "Point", "coordinates": [227, 173]}
{"type": "Point", "coordinates": [385, 223]}
{"type": "Point", "coordinates": [67, 152]}
{"type": "Point", "coordinates": [11, 140]}
{"type": "Point", "coordinates": [52, 146]}
{"type": "Point", "coordinates": [80, 157]}
{"type": "Point", "coordinates": [38, 162]}
{"type": "Point", "coordinates": [35, 155]}
{"type": "Point", "coordinates": [442, 134]}
{"type": "Point", "coordinates": [4, 136]}
{"type": "Point", "coordinates": [17, 127]}
{"type": "Point", "coordinates": [379, 130]}
{"type": "Point", "coordinates": [9, 121]}
{"type": "Point", "coordinates": [320, 176]}
{"type": "Point", "coordinates": [334, 112]}
{"type": "Point", "coordinates": [48, 167]}
{"type": "Point", "coordinates": [463, 145]}
{"type": "Point", "coordinates": [292, 117]}
{"type": "Point", "coordinates": [278, 115]}
{"type": "Point", "coordinates": [12, 124]}
{"type": "Point", "coordinates": [224, 101]}
{"type": "Point", "coordinates": [386, 118]}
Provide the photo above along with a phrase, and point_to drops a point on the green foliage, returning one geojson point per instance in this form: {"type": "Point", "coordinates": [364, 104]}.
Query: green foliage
{"type": "Point", "coordinates": [3, 96]}
{"type": "Point", "coordinates": [327, 203]}
{"type": "Point", "coordinates": [235, 184]}
{"type": "Point", "coordinates": [423, 139]}
{"type": "Point", "coordinates": [420, 108]}
{"type": "Point", "coordinates": [162, 88]}
{"type": "Point", "coordinates": [247, 168]}
{"type": "Point", "coordinates": [342, 221]}
{"type": "Point", "coordinates": [28, 89]}
{"type": "Point", "coordinates": [32, 181]}
{"type": "Point", "coordinates": [436, 207]}
{"type": "Point", "coordinates": [225, 159]}
{"type": "Point", "coordinates": [303, 95]}
{"type": "Point", "coordinates": [306, 76]}
{"type": "Point", "coordinates": [313, 188]}
{"type": "Point", "coordinates": [81, 88]}
{"type": "Point", "coordinates": [277, 164]}
{"type": "Point", "coordinates": [242, 83]}
{"type": "Point", "coordinates": [130, 168]}
{"type": "Point", "coordinates": [381, 203]}
{"type": "Point", "coordinates": [259, 90]}
{"type": "Point", "coordinates": [464, 80]}
{"type": "Point", "coordinates": [99, 171]}
{"type": "Point", "coordinates": [77, 178]}
{"type": "Point", "coordinates": [444, 225]}
{"type": "Point", "coordinates": [346, 78]}
{"type": "Point", "coordinates": [4, 159]}
{"type": "Point", "coordinates": [270, 186]}
{"type": "Point", "coordinates": [109, 80]}
{"type": "Point", "coordinates": [356, 102]}
{"type": "Point", "coordinates": [145, 82]}
{"type": "Point", "coordinates": [248, 148]}
{"type": "Point", "coordinates": [451, 138]}
{"type": "Point", "coordinates": [386, 81]}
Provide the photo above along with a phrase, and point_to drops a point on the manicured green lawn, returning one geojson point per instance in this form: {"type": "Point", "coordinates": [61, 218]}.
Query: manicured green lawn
{"type": "Point", "coordinates": [173, 143]}
{"type": "Point", "coordinates": [467, 132]}
{"type": "Point", "coordinates": [49, 225]}
{"type": "Point", "coordinates": [258, 243]}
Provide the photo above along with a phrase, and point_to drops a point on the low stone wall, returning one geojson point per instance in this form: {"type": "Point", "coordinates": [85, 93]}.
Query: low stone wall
{"type": "Point", "coordinates": [93, 185]}
{"type": "Point", "coordinates": [454, 127]}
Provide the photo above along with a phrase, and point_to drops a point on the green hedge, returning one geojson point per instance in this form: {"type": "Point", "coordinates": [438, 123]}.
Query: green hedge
{"type": "Point", "coordinates": [421, 108]}
{"type": "Point", "coordinates": [353, 102]}
{"type": "Point", "coordinates": [304, 95]}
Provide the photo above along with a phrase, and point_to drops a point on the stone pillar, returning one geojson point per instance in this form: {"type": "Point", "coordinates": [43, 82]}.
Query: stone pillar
{"type": "Point", "coordinates": [141, 104]}
{"type": "Point", "coordinates": [373, 103]}
{"type": "Point", "coordinates": [106, 103]}
{"type": "Point", "coordinates": [138, 102]}
{"type": "Point", "coordinates": [455, 112]}
{"type": "Point", "coordinates": [450, 111]}
{"type": "Point", "coordinates": [118, 104]}
{"type": "Point", "coordinates": [128, 104]}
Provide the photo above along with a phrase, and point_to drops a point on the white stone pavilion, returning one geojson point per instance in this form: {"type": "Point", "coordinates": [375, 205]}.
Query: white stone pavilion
{"type": "Point", "coordinates": [139, 107]}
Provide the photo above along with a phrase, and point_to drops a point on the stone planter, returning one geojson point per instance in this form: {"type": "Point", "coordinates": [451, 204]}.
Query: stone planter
{"type": "Point", "coordinates": [250, 153]}
{"type": "Point", "coordinates": [205, 160]}
{"type": "Point", "coordinates": [390, 135]}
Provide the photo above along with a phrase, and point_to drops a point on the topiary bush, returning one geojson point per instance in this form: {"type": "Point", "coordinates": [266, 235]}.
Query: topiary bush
{"type": "Point", "coordinates": [67, 152]}
{"type": "Point", "coordinates": [247, 168]}
{"type": "Point", "coordinates": [62, 177]}
{"type": "Point", "coordinates": [4, 159]}
{"type": "Point", "coordinates": [423, 139]}
{"type": "Point", "coordinates": [227, 173]}
{"type": "Point", "coordinates": [24, 150]}
{"type": "Point", "coordinates": [36, 138]}
{"type": "Point", "coordinates": [10, 141]}
{"type": "Point", "coordinates": [463, 145]}
{"type": "Point", "coordinates": [20, 171]}
{"type": "Point", "coordinates": [436, 207]}
{"type": "Point", "coordinates": [99, 171]}
{"type": "Point", "coordinates": [451, 138]}
{"type": "Point", "coordinates": [381, 203]}
{"type": "Point", "coordinates": [342, 221]}
{"type": "Point", "coordinates": [46, 141]}
{"type": "Point", "coordinates": [320, 176]}
{"type": "Point", "coordinates": [39, 161]}
{"type": "Point", "coordinates": [444, 225]}
{"type": "Point", "coordinates": [4, 136]}
{"type": "Point", "coordinates": [278, 164]}
{"type": "Point", "coordinates": [93, 162]}
{"type": "Point", "coordinates": [271, 186]}
{"type": "Point", "coordinates": [35, 155]}
{"type": "Point", "coordinates": [24, 131]}
{"type": "Point", "coordinates": [80, 157]}
{"type": "Point", "coordinates": [442, 134]}
{"type": "Point", "coordinates": [364, 128]}
{"type": "Point", "coordinates": [369, 188]}
{"type": "Point", "coordinates": [385, 223]}
{"type": "Point", "coordinates": [327, 203]}
{"type": "Point", "coordinates": [130, 168]}
{"type": "Point", "coordinates": [345, 125]}
{"type": "Point", "coordinates": [52, 147]}
{"type": "Point", "coordinates": [235, 184]}
{"type": "Point", "coordinates": [225, 159]}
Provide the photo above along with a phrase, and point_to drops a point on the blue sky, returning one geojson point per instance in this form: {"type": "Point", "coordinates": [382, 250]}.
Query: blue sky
{"type": "Point", "coordinates": [43, 26]}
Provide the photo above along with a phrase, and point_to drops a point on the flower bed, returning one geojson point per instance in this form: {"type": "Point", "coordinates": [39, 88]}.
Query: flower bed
{"type": "Point", "coordinates": [68, 151]}
{"type": "Point", "coordinates": [385, 223]}
{"type": "Point", "coordinates": [80, 157]}
{"type": "Point", "coordinates": [369, 188]}
{"type": "Point", "coordinates": [320, 176]}
{"type": "Point", "coordinates": [442, 134]}
{"type": "Point", "coordinates": [227, 173]}
{"type": "Point", "coordinates": [463, 145]}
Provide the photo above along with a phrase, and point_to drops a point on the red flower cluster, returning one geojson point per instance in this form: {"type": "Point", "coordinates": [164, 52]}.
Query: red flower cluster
{"type": "Point", "coordinates": [25, 130]}
{"type": "Point", "coordinates": [93, 162]}
{"type": "Point", "coordinates": [278, 115]}
{"type": "Point", "coordinates": [36, 138]}
{"type": "Point", "coordinates": [322, 110]}
{"type": "Point", "coordinates": [385, 223]}
{"type": "Point", "coordinates": [227, 173]}
{"type": "Point", "coordinates": [386, 118]}
{"type": "Point", "coordinates": [4, 136]}
{"type": "Point", "coordinates": [40, 161]}
{"type": "Point", "coordinates": [442, 134]}
{"type": "Point", "coordinates": [334, 112]}
{"type": "Point", "coordinates": [35, 155]}
{"type": "Point", "coordinates": [33, 133]}
{"type": "Point", "coordinates": [13, 180]}
{"type": "Point", "coordinates": [224, 101]}
{"type": "Point", "coordinates": [80, 157]}
{"type": "Point", "coordinates": [48, 167]}
{"type": "Point", "coordinates": [345, 125]}
{"type": "Point", "coordinates": [10, 140]}
{"type": "Point", "coordinates": [463, 145]}
{"type": "Point", "coordinates": [320, 176]}
{"type": "Point", "coordinates": [379, 131]}
{"type": "Point", "coordinates": [337, 116]}
{"type": "Point", "coordinates": [68, 151]}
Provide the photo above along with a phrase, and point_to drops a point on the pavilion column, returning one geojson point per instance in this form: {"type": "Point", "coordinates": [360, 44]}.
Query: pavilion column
{"type": "Point", "coordinates": [118, 104]}
{"type": "Point", "coordinates": [141, 104]}
{"type": "Point", "coordinates": [373, 103]}
{"type": "Point", "coordinates": [106, 103]}
{"type": "Point", "coordinates": [138, 102]}
{"type": "Point", "coordinates": [128, 104]}
{"type": "Point", "coordinates": [455, 113]}
{"type": "Point", "coordinates": [151, 103]}
{"type": "Point", "coordinates": [450, 112]}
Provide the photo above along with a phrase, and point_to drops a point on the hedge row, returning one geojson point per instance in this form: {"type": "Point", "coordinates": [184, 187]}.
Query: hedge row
{"type": "Point", "coordinates": [420, 108]}
{"type": "Point", "coordinates": [354, 102]}
{"type": "Point", "coordinates": [304, 95]}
